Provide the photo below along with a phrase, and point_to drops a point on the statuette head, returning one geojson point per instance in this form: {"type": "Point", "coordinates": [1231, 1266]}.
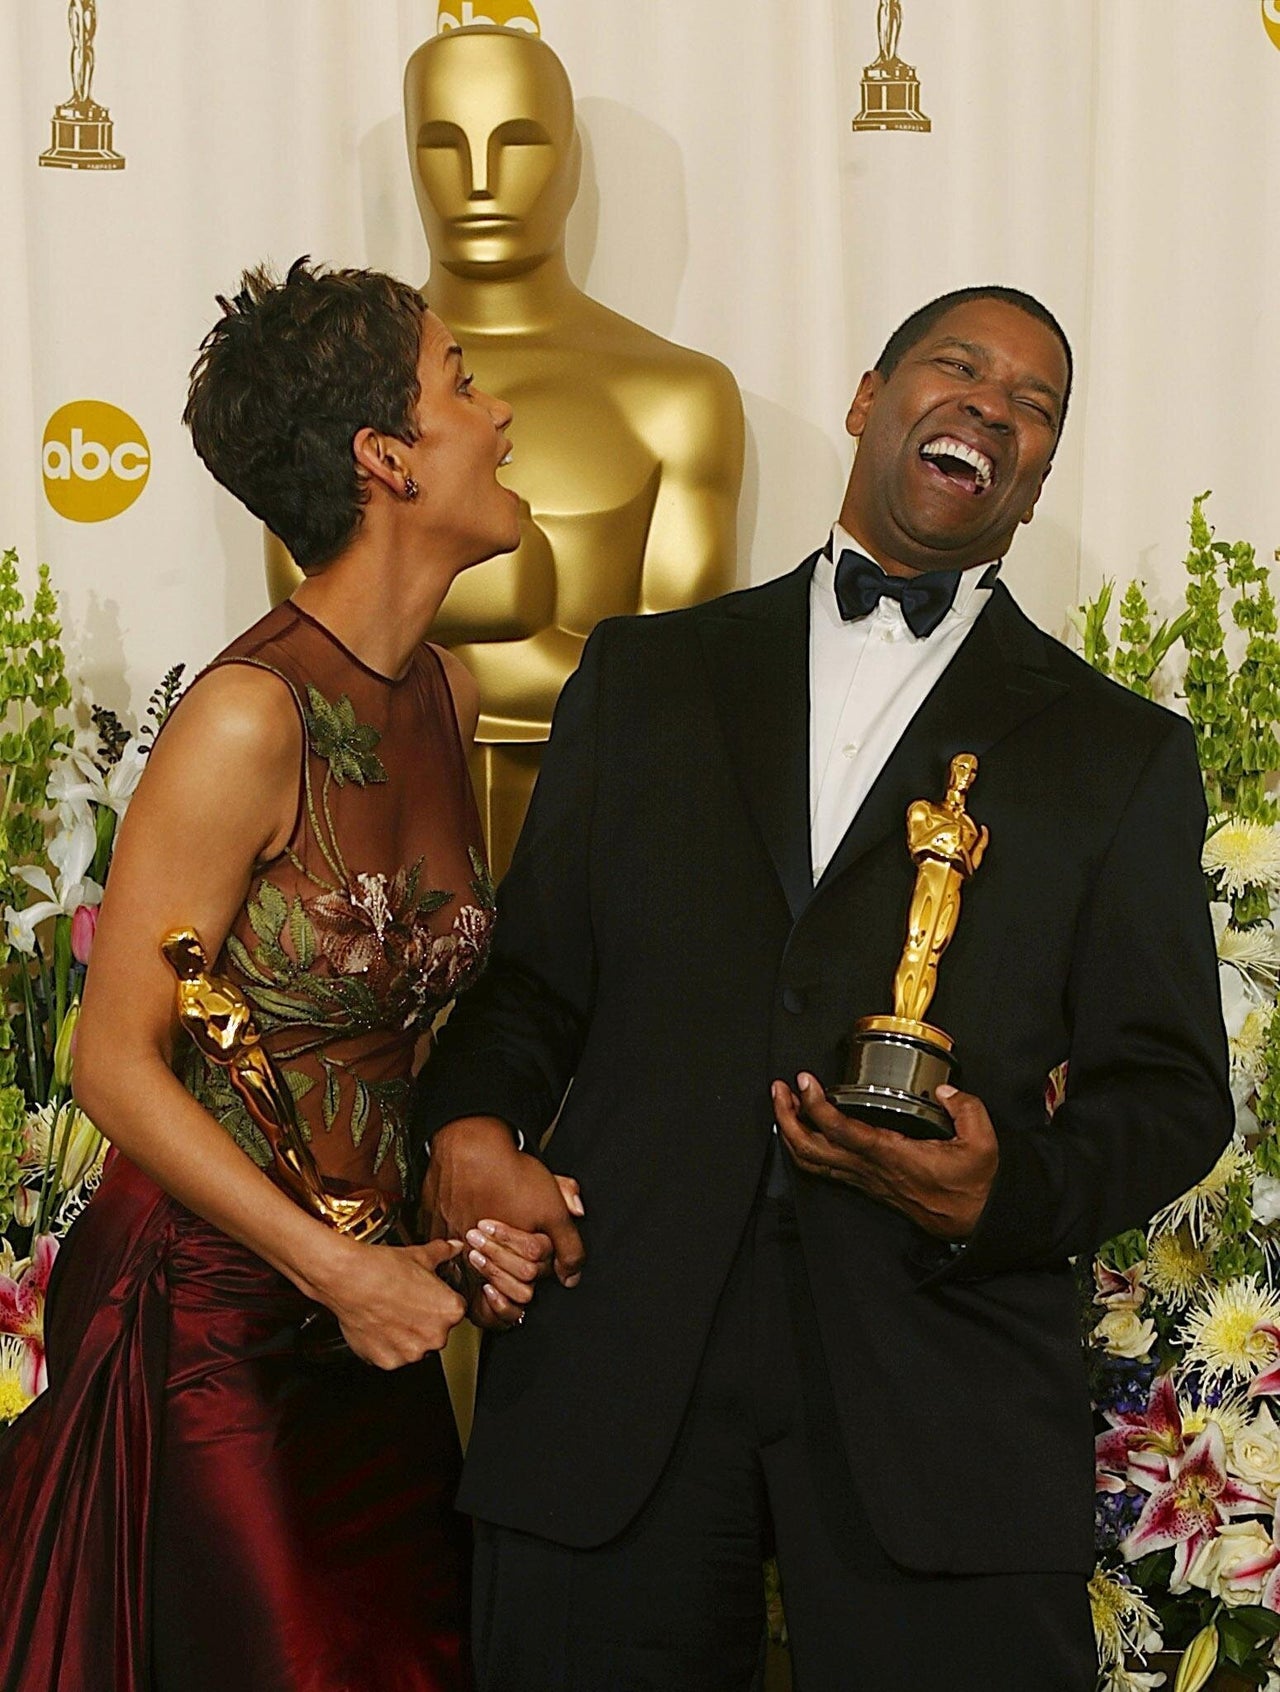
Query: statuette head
{"type": "Point", "coordinates": [495, 154]}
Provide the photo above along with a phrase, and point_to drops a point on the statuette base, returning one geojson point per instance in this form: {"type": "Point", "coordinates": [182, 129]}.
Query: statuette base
{"type": "Point", "coordinates": [82, 137]}
{"type": "Point", "coordinates": [895, 1065]}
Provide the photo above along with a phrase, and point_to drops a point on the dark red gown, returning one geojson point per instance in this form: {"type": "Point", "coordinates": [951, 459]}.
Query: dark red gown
{"type": "Point", "coordinates": [193, 1506]}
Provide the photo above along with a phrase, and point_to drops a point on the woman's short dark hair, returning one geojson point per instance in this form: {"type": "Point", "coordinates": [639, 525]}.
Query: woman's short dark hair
{"type": "Point", "coordinates": [285, 379]}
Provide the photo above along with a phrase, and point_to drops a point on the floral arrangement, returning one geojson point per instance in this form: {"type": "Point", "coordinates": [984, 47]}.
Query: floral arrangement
{"type": "Point", "coordinates": [1184, 1316]}
{"type": "Point", "coordinates": [64, 791]}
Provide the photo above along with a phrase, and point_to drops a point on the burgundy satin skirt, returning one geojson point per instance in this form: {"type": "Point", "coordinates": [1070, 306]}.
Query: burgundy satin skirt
{"type": "Point", "coordinates": [193, 1507]}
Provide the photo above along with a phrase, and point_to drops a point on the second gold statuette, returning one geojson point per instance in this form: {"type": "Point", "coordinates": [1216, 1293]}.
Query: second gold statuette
{"type": "Point", "coordinates": [218, 1017]}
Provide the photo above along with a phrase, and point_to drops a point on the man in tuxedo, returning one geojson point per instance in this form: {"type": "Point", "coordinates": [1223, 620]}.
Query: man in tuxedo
{"type": "Point", "coordinates": [795, 1330]}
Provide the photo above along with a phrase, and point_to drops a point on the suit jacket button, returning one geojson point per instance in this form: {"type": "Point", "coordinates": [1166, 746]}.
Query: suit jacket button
{"type": "Point", "coordinates": [793, 1000]}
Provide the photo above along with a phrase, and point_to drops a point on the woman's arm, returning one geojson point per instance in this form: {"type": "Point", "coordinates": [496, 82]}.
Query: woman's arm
{"type": "Point", "coordinates": [219, 795]}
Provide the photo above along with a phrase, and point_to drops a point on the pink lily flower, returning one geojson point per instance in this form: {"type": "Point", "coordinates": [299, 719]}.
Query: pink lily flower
{"type": "Point", "coordinates": [1269, 1380]}
{"type": "Point", "coordinates": [22, 1311]}
{"type": "Point", "coordinates": [1118, 1289]}
{"type": "Point", "coordinates": [1140, 1445]}
{"type": "Point", "coordinates": [1190, 1507]}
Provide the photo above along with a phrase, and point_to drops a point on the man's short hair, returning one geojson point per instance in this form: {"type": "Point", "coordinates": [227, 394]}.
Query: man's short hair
{"type": "Point", "coordinates": [285, 380]}
{"type": "Point", "coordinates": [918, 325]}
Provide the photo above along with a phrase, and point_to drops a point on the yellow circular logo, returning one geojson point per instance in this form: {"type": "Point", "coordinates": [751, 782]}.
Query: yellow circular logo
{"type": "Point", "coordinates": [507, 14]}
{"type": "Point", "coordinates": [1271, 20]}
{"type": "Point", "coordinates": [95, 459]}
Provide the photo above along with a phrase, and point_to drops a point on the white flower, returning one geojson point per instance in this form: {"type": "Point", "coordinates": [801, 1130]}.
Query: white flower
{"type": "Point", "coordinates": [1201, 1206]}
{"type": "Point", "coordinates": [1265, 1203]}
{"type": "Point", "coordinates": [1255, 952]}
{"type": "Point", "coordinates": [76, 778]}
{"type": "Point", "coordinates": [1125, 1334]}
{"type": "Point", "coordinates": [1237, 1545]}
{"type": "Point", "coordinates": [1121, 1679]}
{"type": "Point", "coordinates": [1245, 854]}
{"type": "Point", "coordinates": [1175, 1267]}
{"type": "Point", "coordinates": [1249, 1045]}
{"type": "Point", "coordinates": [1123, 1621]}
{"type": "Point", "coordinates": [1220, 1335]}
{"type": "Point", "coordinates": [1255, 1453]}
{"type": "Point", "coordinates": [70, 852]}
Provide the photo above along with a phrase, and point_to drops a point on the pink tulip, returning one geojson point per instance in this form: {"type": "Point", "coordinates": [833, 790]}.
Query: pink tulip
{"type": "Point", "coordinates": [84, 925]}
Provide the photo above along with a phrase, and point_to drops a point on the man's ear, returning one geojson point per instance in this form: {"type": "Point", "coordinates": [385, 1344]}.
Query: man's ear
{"type": "Point", "coordinates": [1030, 512]}
{"type": "Point", "coordinates": [377, 456]}
{"type": "Point", "coordinates": [870, 385]}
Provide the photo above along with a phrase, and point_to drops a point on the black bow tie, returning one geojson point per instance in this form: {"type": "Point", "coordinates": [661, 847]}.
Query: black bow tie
{"type": "Point", "coordinates": [925, 599]}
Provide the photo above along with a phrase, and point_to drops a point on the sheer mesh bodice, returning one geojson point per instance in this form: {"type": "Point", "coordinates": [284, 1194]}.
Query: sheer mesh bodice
{"type": "Point", "coordinates": [376, 914]}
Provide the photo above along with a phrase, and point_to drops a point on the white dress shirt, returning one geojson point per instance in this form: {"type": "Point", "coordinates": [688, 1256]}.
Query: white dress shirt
{"type": "Point", "coordinates": [867, 679]}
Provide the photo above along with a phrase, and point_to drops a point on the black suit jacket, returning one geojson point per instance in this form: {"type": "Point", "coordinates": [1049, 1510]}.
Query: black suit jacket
{"type": "Point", "coordinates": [660, 945]}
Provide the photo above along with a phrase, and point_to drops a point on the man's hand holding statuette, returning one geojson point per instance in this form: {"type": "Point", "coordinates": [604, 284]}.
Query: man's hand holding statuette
{"type": "Point", "coordinates": [941, 1185]}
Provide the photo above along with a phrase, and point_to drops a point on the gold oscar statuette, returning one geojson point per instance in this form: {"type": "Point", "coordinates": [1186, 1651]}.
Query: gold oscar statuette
{"type": "Point", "coordinates": [218, 1017]}
{"type": "Point", "coordinates": [897, 1062]}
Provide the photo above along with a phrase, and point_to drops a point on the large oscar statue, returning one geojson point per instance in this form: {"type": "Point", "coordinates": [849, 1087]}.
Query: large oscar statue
{"type": "Point", "coordinates": [896, 1062]}
{"type": "Point", "coordinates": [627, 448]}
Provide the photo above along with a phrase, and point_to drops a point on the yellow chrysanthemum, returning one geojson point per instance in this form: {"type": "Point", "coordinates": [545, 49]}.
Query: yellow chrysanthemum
{"type": "Point", "coordinates": [1232, 1414]}
{"type": "Point", "coordinates": [1123, 1621]}
{"type": "Point", "coordinates": [1176, 1267]}
{"type": "Point", "coordinates": [1202, 1205]}
{"type": "Point", "coordinates": [1219, 1334]}
{"type": "Point", "coordinates": [1249, 1047]}
{"type": "Point", "coordinates": [14, 1397]}
{"type": "Point", "coordinates": [1246, 854]}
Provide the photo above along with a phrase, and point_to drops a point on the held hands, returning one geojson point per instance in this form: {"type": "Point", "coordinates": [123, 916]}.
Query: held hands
{"type": "Point", "coordinates": [391, 1305]}
{"type": "Point", "coordinates": [941, 1185]}
{"type": "Point", "coordinates": [476, 1175]}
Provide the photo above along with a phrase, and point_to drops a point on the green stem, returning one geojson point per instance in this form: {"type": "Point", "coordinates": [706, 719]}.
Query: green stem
{"type": "Point", "coordinates": [54, 1162]}
{"type": "Point", "coordinates": [35, 1053]}
{"type": "Point", "coordinates": [61, 972]}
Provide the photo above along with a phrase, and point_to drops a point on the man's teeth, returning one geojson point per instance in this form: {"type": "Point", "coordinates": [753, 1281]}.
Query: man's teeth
{"type": "Point", "coordinates": [946, 447]}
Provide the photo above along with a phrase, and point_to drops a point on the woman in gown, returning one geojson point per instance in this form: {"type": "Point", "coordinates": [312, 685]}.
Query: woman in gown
{"type": "Point", "coordinates": [198, 1502]}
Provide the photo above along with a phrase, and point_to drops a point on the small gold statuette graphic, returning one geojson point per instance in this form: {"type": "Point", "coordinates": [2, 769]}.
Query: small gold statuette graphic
{"type": "Point", "coordinates": [219, 1019]}
{"type": "Point", "coordinates": [82, 129]}
{"type": "Point", "coordinates": [890, 87]}
{"type": "Point", "coordinates": [897, 1061]}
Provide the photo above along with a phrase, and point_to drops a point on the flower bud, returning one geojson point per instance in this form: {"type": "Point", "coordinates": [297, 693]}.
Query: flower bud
{"type": "Point", "coordinates": [1198, 1661]}
{"type": "Point", "coordinates": [84, 925]}
{"type": "Point", "coordinates": [62, 1051]}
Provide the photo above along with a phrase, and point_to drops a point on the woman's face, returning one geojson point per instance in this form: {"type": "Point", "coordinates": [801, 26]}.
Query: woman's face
{"type": "Point", "coordinates": [461, 442]}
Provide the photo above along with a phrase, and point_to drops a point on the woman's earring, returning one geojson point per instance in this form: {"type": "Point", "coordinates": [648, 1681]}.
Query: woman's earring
{"type": "Point", "coordinates": [410, 488]}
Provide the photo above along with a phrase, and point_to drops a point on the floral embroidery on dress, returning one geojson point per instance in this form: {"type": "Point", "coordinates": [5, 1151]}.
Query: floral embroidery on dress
{"type": "Point", "coordinates": [358, 957]}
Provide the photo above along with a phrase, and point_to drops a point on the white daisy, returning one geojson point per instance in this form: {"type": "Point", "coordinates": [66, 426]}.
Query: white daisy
{"type": "Point", "coordinates": [1123, 1621]}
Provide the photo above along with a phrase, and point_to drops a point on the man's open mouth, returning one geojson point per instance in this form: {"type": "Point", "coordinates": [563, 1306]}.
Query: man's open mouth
{"type": "Point", "coordinates": [962, 465]}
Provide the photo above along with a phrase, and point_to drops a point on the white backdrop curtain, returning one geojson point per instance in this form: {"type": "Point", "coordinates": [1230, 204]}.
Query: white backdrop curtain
{"type": "Point", "coordinates": [1120, 158]}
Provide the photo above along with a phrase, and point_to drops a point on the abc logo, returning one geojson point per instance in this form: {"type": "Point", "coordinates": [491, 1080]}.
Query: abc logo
{"type": "Point", "coordinates": [1271, 20]}
{"type": "Point", "coordinates": [509, 14]}
{"type": "Point", "coordinates": [96, 461]}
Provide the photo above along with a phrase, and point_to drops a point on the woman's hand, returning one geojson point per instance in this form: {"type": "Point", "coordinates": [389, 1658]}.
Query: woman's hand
{"type": "Point", "coordinates": [508, 1264]}
{"type": "Point", "coordinates": [391, 1305]}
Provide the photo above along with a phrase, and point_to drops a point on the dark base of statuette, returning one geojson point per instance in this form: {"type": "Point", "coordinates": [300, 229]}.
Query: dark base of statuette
{"type": "Point", "coordinates": [892, 1077]}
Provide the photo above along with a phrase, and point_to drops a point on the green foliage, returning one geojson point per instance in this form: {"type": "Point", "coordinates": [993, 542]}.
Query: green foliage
{"type": "Point", "coordinates": [1234, 715]}
{"type": "Point", "coordinates": [13, 1112]}
{"type": "Point", "coordinates": [34, 695]}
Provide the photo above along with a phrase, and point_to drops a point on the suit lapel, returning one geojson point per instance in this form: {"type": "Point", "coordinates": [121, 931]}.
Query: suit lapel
{"type": "Point", "coordinates": [996, 681]}
{"type": "Point", "coordinates": [757, 651]}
